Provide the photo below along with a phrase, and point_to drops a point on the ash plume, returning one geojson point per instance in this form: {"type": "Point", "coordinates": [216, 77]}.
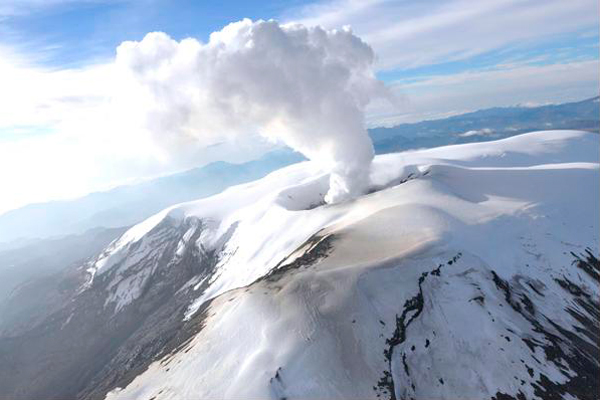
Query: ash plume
{"type": "Point", "coordinates": [304, 86]}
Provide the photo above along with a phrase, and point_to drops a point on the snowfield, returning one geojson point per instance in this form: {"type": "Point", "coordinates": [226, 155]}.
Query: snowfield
{"type": "Point", "coordinates": [469, 271]}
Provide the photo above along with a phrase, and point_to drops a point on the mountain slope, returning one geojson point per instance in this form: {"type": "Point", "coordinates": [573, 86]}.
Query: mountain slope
{"type": "Point", "coordinates": [468, 271]}
{"type": "Point", "coordinates": [457, 283]}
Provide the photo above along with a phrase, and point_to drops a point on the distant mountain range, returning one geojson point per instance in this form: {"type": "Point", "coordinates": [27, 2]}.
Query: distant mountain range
{"type": "Point", "coordinates": [489, 124]}
{"type": "Point", "coordinates": [128, 205]}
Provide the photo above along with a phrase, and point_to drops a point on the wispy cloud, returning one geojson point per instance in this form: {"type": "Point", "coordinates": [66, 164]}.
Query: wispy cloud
{"type": "Point", "coordinates": [445, 58]}
{"type": "Point", "coordinates": [438, 96]}
{"type": "Point", "coordinates": [411, 34]}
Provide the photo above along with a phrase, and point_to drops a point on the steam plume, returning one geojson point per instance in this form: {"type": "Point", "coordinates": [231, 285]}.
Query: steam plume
{"type": "Point", "coordinates": [306, 87]}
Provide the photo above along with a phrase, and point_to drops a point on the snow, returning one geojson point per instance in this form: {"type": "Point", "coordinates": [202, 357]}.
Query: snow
{"type": "Point", "coordinates": [516, 206]}
{"type": "Point", "coordinates": [480, 132]}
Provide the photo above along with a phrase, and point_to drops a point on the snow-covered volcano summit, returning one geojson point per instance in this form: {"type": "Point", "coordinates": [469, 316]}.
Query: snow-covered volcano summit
{"type": "Point", "coordinates": [454, 278]}
{"type": "Point", "coordinates": [469, 271]}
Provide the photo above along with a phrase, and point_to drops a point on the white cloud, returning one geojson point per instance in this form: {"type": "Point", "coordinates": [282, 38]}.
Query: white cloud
{"type": "Point", "coordinates": [411, 34]}
{"type": "Point", "coordinates": [34, 96]}
{"type": "Point", "coordinates": [65, 133]}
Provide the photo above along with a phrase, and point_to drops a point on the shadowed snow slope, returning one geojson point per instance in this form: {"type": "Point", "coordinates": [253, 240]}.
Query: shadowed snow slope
{"type": "Point", "coordinates": [470, 271]}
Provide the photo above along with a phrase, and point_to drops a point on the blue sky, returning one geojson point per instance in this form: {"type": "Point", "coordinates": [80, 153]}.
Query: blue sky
{"type": "Point", "coordinates": [74, 33]}
{"type": "Point", "coordinates": [439, 57]}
